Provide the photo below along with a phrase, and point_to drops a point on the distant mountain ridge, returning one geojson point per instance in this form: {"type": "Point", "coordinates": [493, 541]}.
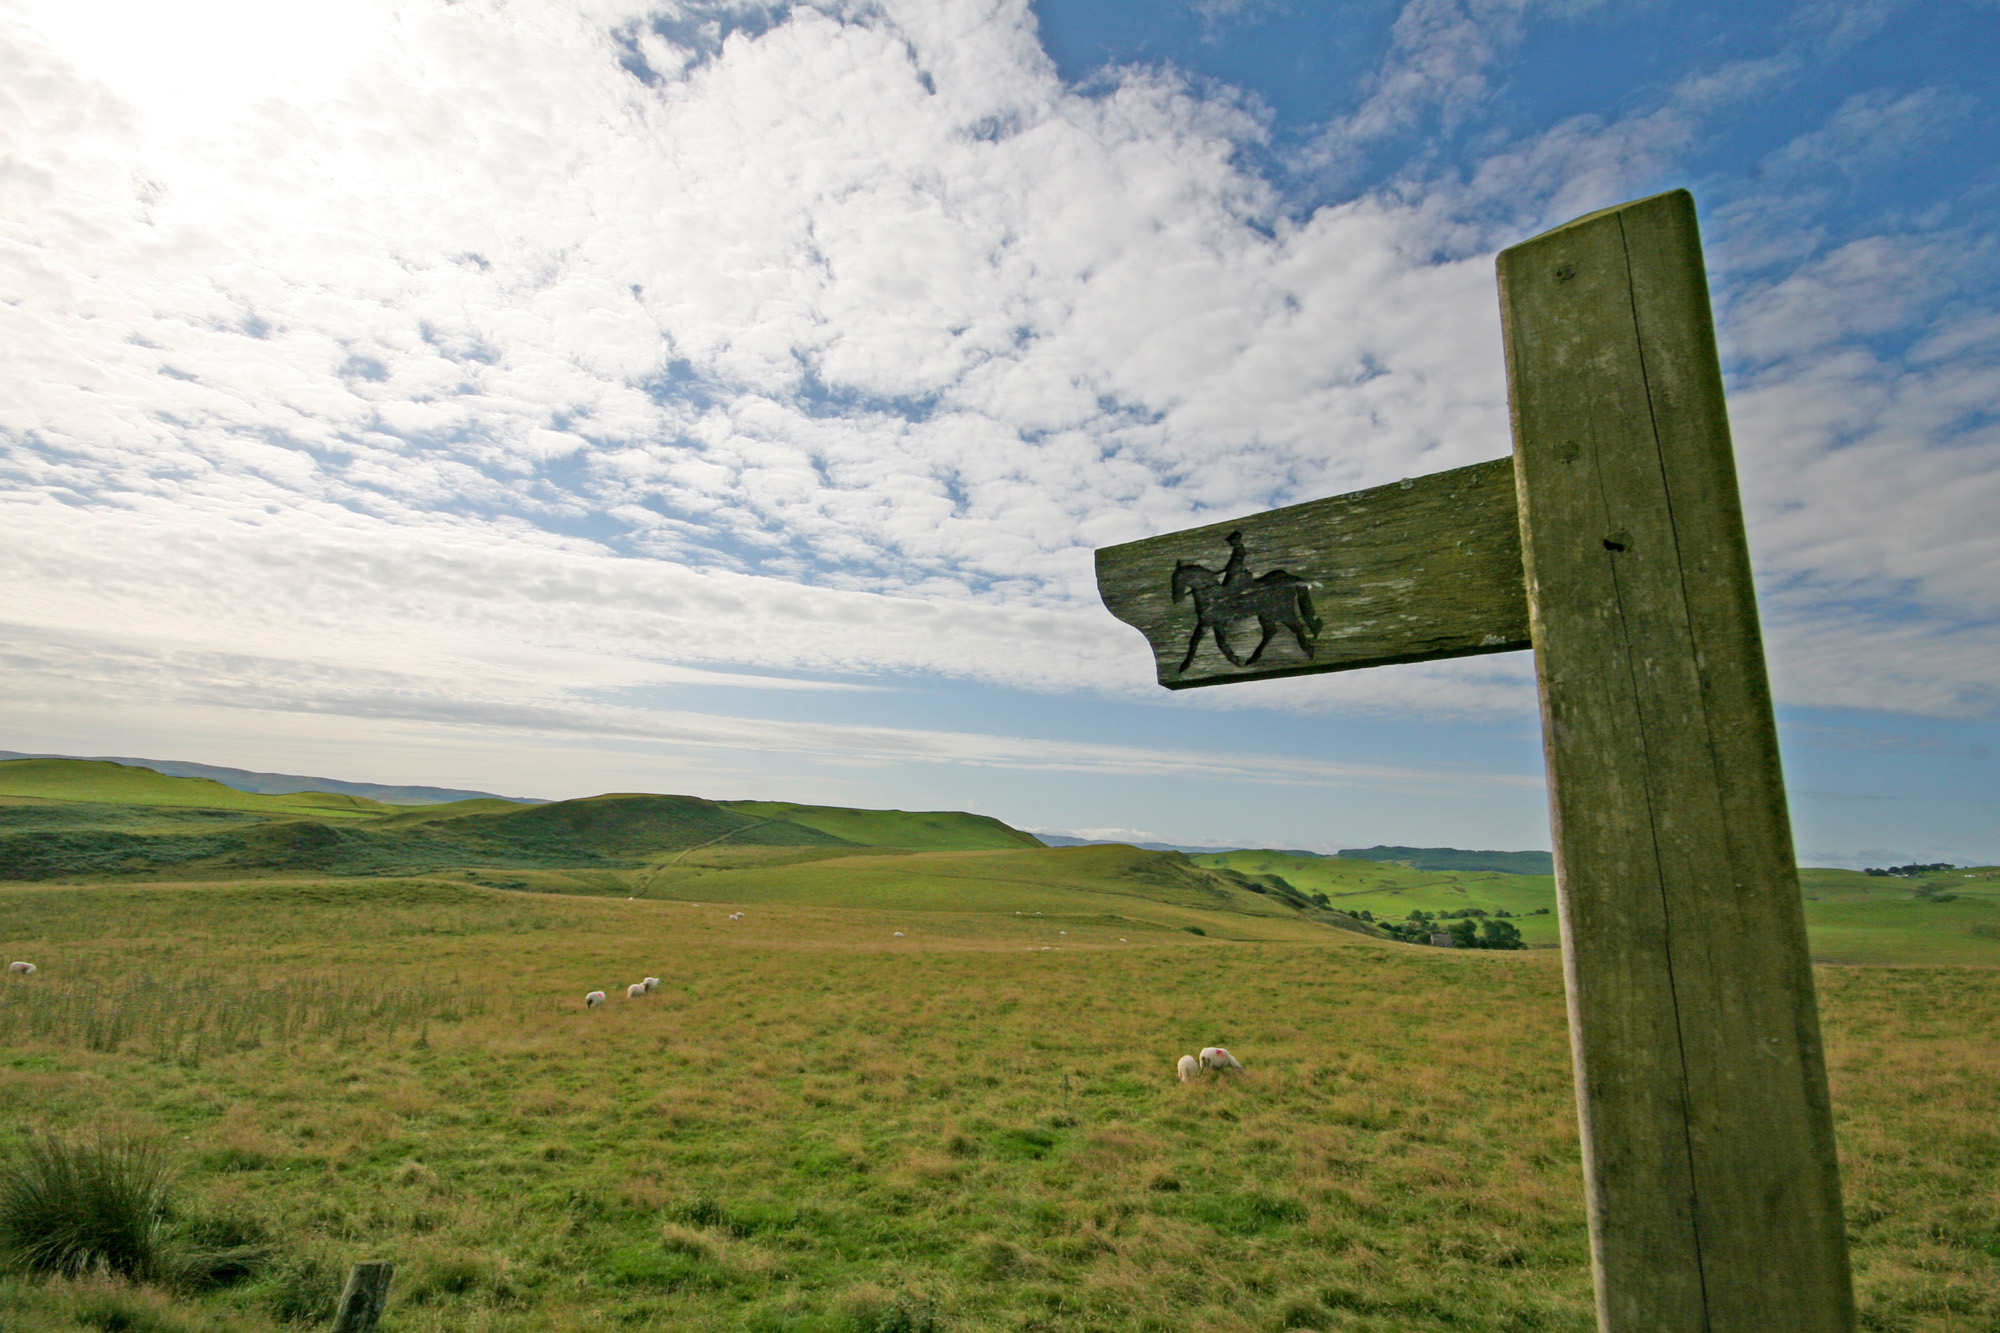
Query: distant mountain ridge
{"type": "Point", "coordinates": [1454, 858]}
{"type": "Point", "coordinates": [1186, 848]}
{"type": "Point", "coordinates": [286, 784]}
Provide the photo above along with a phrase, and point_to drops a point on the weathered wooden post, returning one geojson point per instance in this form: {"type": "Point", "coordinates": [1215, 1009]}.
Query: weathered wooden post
{"type": "Point", "coordinates": [1709, 1163]}
{"type": "Point", "coordinates": [362, 1300]}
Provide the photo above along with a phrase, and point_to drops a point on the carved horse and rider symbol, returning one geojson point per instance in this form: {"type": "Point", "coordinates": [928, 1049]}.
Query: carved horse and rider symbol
{"type": "Point", "coordinates": [1275, 600]}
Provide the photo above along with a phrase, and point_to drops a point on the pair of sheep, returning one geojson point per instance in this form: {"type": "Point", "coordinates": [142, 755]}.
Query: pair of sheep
{"type": "Point", "coordinates": [21, 969]}
{"type": "Point", "coordinates": [1212, 1057]}
{"type": "Point", "coordinates": [632, 992]}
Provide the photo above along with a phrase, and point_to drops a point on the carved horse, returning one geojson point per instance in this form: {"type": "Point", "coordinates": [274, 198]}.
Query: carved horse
{"type": "Point", "coordinates": [1275, 600]}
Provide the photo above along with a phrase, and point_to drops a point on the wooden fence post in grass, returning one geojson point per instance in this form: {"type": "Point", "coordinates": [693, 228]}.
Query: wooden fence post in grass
{"type": "Point", "coordinates": [1709, 1166]}
{"type": "Point", "coordinates": [361, 1301]}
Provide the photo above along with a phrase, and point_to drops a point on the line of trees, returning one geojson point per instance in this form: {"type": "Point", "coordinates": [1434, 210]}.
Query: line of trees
{"type": "Point", "coordinates": [1469, 928]}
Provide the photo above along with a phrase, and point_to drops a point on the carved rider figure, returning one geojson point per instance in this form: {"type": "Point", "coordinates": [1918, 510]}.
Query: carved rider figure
{"type": "Point", "coordinates": [1236, 573]}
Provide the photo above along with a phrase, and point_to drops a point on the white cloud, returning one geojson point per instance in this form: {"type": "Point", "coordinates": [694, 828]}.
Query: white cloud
{"type": "Point", "coordinates": [490, 376]}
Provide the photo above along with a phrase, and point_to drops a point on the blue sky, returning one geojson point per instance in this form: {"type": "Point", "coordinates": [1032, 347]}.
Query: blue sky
{"type": "Point", "coordinates": [554, 398]}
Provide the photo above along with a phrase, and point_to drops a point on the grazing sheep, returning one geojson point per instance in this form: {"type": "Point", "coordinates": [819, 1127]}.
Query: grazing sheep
{"type": "Point", "coordinates": [651, 983]}
{"type": "Point", "coordinates": [1187, 1067]}
{"type": "Point", "coordinates": [1214, 1057]}
{"type": "Point", "coordinates": [22, 969]}
{"type": "Point", "coordinates": [592, 1000]}
{"type": "Point", "coordinates": [635, 990]}
{"type": "Point", "coordinates": [899, 934]}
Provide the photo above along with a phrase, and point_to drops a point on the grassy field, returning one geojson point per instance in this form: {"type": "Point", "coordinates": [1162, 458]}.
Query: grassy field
{"type": "Point", "coordinates": [818, 1126]}
{"type": "Point", "coordinates": [1948, 917]}
{"type": "Point", "coordinates": [922, 1081]}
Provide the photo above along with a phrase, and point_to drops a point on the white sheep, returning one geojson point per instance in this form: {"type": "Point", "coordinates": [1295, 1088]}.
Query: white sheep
{"type": "Point", "coordinates": [635, 990]}
{"type": "Point", "coordinates": [651, 983]}
{"type": "Point", "coordinates": [1187, 1067]}
{"type": "Point", "coordinates": [592, 1000]}
{"type": "Point", "coordinates": [21, 969]}
{"type": "Point", "coordinates": [899, 935]}
{"type": "Point", "coordinates": [1214, 1057]}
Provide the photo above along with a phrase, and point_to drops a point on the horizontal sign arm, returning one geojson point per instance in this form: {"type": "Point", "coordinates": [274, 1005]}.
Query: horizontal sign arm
{"type": "Point", "coordinates": [1409, 572]}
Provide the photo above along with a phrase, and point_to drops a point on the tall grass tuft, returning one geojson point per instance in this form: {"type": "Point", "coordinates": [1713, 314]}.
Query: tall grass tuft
{"type": "Point", "coordinates": [83, 1206]}
{"type": "Point", "coordinates": [189, 1016]}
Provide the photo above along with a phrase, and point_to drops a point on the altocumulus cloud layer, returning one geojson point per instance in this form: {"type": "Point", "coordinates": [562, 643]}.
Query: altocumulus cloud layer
{"type": "Point", "coordinates": [567, 350]}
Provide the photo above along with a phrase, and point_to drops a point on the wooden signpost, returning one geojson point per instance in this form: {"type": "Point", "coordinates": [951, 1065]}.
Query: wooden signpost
{"type": "Point", "coordinates": [1612, 544]}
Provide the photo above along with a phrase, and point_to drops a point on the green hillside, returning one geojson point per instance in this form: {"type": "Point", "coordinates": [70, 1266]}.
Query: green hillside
{"type": "Point", "coordinates": [47, 841]}
{"type": "Point", "coordinates": [97, 781]}
{"type": "Point", "coordinates": [637, 823]}
{"type": "Point", "coordinates": [85, 820]}
{"type": "Point", "coordinates": [1947, 917]}
{"type": "Point", "coordinates": [443, 810]}
{"type": "Point", "coordinates": [1103, 883]}
{"type": "Point", "coordinates": [922, 830]}
{"type": "Point", "coordinates": [1393, 889]}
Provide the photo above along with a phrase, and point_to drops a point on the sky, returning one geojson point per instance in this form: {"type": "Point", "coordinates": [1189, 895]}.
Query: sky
{"type": "Point", "coordinates": [555, 398]}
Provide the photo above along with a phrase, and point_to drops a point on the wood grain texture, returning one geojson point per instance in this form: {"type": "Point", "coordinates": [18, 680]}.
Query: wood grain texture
{"type": "Point", "coordinates": [1408, 572]}
{"type": "Point", "coordinates": [364, 1297]}
{"type": "Point", "coordinates": [1709, 1157]}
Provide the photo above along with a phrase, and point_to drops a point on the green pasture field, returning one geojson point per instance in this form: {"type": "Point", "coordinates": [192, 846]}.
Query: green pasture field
{"type": "Point", "coordinates": [822, 1125]}
{"type": "Point", "coordinates": [817, 1127]}
{"type": "Point", "coordinates": [1948, 917]}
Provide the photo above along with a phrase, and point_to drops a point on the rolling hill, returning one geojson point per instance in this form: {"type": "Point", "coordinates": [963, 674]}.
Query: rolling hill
{"type": "Point", "coordinates": [923, 830]}
{"type": "Point", "coordinates": [279, 784]}
{"type": "Point", "coordinates": [1106, 884]}
{"type": "Point", "coordinates": [92, 820]}
{"type": "Point", "coordinates": [69, 817]}
{"type": "Point", "coordinates": [82, 820]}
{"type": "Point", "coordinates": [101, 781]}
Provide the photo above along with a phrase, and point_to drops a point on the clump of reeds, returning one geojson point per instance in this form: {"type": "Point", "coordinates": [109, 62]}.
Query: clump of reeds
{"type": "Point", "coordinates": [73, 1207]}
{"type": "Point", "coordinates": [104, 1205]}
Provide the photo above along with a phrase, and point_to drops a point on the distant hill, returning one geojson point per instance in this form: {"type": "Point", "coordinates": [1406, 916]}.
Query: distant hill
{"type": "Point", "coordinates": [1453, 858]}
{"type": "Point", "coordinates": [105, 781]}
{"type": "Point", "coordinates": [635, 824]}
{"type": "Point", "coordinates": [1187, 849]}
{"type": "Point", "coordinates": [1106, 883]}
{"type": "Point", "coordinates": [187, 826]}
{"type": "Point", "coordinates": [63, 818]}
{"type": "Point", "coordinates": [920, 830]}
{"type": "Point", "coordinates": [282, 784]}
